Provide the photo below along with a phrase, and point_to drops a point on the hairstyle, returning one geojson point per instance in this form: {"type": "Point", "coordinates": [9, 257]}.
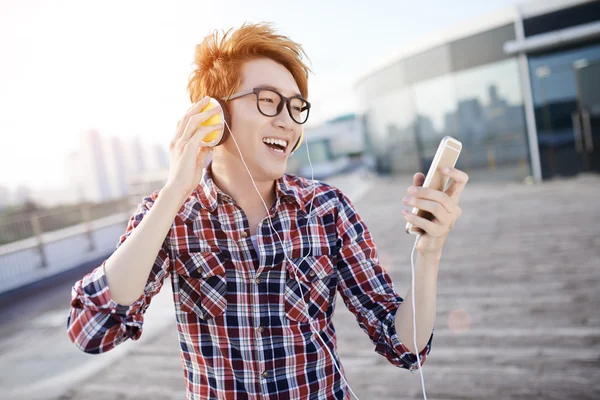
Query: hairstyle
{"type": "Point", "coordinates": [218, 60]}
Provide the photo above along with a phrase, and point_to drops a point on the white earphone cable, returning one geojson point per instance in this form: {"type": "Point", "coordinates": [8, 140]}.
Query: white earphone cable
{"type": "Point", "coordinates": [315, 331]}
{"type": "Point", "coordinates": [414, 313]}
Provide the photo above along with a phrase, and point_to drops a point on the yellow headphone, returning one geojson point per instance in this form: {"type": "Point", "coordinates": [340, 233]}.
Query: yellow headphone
{"type": "Point", "coordinates": [215, 138]}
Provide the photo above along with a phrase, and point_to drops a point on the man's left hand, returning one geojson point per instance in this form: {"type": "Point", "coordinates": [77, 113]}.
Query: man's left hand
{"type": "Point", "coordinates": [443, 206]}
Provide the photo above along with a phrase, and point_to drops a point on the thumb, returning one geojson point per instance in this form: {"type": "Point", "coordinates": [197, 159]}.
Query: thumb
{"type": "Point", "coordinates": [201, 156]}
{"type": "Point", "coordinates": [418, 179]}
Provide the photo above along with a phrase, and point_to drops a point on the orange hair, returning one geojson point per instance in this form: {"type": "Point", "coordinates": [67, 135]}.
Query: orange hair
{"type": "Point", "coordinates": [219, 59]}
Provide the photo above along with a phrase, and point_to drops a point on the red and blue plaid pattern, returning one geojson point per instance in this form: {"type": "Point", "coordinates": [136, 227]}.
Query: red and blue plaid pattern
{"type": "Point", "coordinates": [248, 320]}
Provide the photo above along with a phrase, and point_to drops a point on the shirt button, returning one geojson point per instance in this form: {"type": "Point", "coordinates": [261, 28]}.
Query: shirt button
{"type": "Point", "coordinates": [260, 329]}
{"type": "Point", "coordinates": [311, 273]}
{"type": "Point", "coordinates": [244, 234]}
{"type": "Point", "coordinates": [257, 281]}
{"type": "Point", "coordinates": [113, 311]}
{"type": "Point", "coordinates": [265, 374]}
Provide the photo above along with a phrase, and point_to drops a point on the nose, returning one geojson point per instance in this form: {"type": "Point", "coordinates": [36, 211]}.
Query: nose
{"type": "Point", "coordinates": [284, 121]}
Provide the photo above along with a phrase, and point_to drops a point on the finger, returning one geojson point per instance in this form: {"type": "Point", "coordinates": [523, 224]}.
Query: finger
{"type": "Point", "coordinates": [435, 208]}
{"type": "Point", "coordinates": [194, 122]}
{"type": "Point", "coordinates": [196, 140]}
{"type": "Point", "coordinates": [190, 150]}
{"type": "Point", "coordinates": [201, 155]}
{"type": "Point", "coordinates": [429, 227]}
{"type": "Point", "coordinates": [437, 196]}
{"type": "Point", "coordinates": [188, 110]}
{"type": "Point", "coordinates": [179, 127]}
{"type": "Point", "coordinates": [459, 178]}
{"type": "Point", "coordinates": [193, 104]}
{"type": "Point", "coordinates": [418, 179]}
{"type": "Point", "coordinates": [194, 109]}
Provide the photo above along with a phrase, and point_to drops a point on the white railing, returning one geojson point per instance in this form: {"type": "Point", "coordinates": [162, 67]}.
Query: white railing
{"type": "Point", "coordinates": [48, 252]}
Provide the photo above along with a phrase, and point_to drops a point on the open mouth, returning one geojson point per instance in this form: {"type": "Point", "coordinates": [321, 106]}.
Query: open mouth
{"type": "Point", "coordinates": [277, 145]}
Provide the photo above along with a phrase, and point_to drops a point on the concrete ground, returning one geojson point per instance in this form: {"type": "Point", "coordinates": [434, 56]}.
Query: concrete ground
{"type": "Point", "coordinates": [518, 309]}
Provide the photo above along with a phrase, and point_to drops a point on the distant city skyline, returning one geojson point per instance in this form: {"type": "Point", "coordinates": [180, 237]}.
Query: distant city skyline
{"type": "Point", "coordinates": [99, 170]}
{"type": "Point", "coordinates": [74, 66]}
{"type": "Point", "coordinates": [104, 166]}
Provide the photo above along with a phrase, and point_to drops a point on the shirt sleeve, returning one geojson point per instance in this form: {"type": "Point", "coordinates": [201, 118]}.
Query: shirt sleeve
{"type": "Point", "coordinates": [96, 323]}
{"type": "Point", "coordinates": [367, 289]}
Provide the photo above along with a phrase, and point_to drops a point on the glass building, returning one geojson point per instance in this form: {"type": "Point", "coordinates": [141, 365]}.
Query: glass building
{"type": "Point", "coordinates": [520, 90]}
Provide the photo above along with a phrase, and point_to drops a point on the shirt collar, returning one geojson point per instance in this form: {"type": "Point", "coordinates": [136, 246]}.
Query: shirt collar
{"type": "Point", "coordinates": [287, 191]}
{"type": "Point", "coordinates": [209, 195]}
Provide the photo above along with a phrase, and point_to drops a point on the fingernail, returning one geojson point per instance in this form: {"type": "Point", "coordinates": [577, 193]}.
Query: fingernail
{"type": "Point", "coordinates": [412, 190]}
{"type": "Point", "coordinates": [446, 170]}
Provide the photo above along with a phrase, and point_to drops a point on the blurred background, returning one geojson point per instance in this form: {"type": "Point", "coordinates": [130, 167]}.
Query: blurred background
{"type": "Point", "coordinates": [90, 93]}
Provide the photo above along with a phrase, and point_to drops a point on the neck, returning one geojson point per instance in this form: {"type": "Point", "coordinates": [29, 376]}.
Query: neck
{"type": "Point", "coordinates": [230, 175]}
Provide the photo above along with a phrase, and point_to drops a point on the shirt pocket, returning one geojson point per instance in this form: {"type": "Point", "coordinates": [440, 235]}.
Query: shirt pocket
{"type": "Point", "coordinates": [202, 284]}
{"type": "Point", "coordinates": [309, 289]}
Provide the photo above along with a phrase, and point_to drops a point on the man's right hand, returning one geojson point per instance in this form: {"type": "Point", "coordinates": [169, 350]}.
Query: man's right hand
{"type": "Point", "coordinates": [130, 266]}
{"type": "Point", "coordinates": [187, 156]}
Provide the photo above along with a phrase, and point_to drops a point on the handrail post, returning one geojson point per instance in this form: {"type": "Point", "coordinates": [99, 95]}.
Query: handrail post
{"type": "Point", "coordinates": [87, 221]}
{"type": "Point", "coordinates": [38, 233]}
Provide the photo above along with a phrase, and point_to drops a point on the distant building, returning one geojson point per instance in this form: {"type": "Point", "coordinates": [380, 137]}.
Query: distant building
{"type": "Point", "coordinates": [54, 197]}
{"type": "Point", "coordinates": [520, 90]}
{"type": "Point", "coordinates": [334, 147]}
{"type": "Point", "coordinates": [4, 197]}
{"type": "Point", "coordinates": [161, 157]}
{"type": "Point", "coordinates": [91, 174]}
{"type": "Point", "coordinates": [116, 154]}
{"type": "Point", "coordinates": [103, 168]}
{"type": "Point", "coordinates": [22, 195]}
{"type": "Point", "coordinates": [136, 157]}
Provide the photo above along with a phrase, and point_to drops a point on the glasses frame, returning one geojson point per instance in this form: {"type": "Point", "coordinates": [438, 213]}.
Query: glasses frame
{"type": "Point", "coordinates": [283, 100]}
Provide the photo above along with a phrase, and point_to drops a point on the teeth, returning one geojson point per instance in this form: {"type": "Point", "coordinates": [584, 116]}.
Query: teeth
{"type": "Point", "coordinates": [278, 142]}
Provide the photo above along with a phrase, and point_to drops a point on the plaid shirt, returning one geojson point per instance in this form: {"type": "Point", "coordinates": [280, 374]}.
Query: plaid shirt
{"type": "Point", "coordinates": [247, 319]}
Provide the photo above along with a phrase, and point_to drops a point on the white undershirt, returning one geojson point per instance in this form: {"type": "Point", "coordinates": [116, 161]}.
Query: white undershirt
{"type": "Point", "coordinates": [255, 242]}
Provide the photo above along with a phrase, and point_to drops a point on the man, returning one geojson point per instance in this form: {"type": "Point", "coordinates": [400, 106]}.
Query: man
{"type": "Point", "coordinates": [254, 282]}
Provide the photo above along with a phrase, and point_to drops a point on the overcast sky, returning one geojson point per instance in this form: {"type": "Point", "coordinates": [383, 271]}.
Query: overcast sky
{"type": "Point", "coordinates": [122, 66]}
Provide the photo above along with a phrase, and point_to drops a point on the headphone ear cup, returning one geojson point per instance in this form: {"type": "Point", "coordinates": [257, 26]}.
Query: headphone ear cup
{"type": "Point", "coordinates": [226, 120]}
{"type": "Point", "coordinates": [217, 137]}
{"type": "Point", "coordinates": [299, 142]}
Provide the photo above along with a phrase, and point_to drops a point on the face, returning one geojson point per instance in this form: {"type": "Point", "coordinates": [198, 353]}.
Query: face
{"type": "Point", "coordinates": [251, 128]}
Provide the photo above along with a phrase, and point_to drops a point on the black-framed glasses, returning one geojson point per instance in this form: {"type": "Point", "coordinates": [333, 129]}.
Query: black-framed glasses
{"type": "Point", "coordinates": [270, 103]}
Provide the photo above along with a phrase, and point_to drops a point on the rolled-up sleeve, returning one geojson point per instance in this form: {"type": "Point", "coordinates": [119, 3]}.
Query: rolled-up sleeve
{"type": "Point", "coordinates": [367, 289]}
{"type": "Point", "coordinates": [96, 323]}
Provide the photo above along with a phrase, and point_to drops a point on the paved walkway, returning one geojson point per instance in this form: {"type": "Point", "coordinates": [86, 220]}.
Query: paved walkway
{"type": "Point", "coordinates": [517, 311]}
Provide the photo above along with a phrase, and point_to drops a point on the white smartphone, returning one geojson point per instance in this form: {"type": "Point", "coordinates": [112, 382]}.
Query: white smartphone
{"type": "Point", "coordinates": [445, 156]}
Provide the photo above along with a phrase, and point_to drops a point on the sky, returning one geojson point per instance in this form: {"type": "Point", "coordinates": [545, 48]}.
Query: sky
{"type": "Point", "coordinates": [121, 67]}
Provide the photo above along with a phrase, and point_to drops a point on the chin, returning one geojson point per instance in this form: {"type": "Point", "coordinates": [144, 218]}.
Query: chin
{"type": "Point", "coordinates": [273, 173]}
{"type": "Point", "coordinates": [276, 174]}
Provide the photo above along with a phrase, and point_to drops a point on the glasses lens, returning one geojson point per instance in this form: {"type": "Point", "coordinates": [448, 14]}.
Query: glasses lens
{"type": "Point", "coordinates": [299, 110]}
{"type": "Point", "coordinates": [268, 102]}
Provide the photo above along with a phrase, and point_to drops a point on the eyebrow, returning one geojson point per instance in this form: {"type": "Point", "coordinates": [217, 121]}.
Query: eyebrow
{"type": "Point", "coordinates": [277, 90]}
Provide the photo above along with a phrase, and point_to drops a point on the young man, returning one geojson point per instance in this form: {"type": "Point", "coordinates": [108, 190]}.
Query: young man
{"type": "Point", "coordinates": [254, 283]}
